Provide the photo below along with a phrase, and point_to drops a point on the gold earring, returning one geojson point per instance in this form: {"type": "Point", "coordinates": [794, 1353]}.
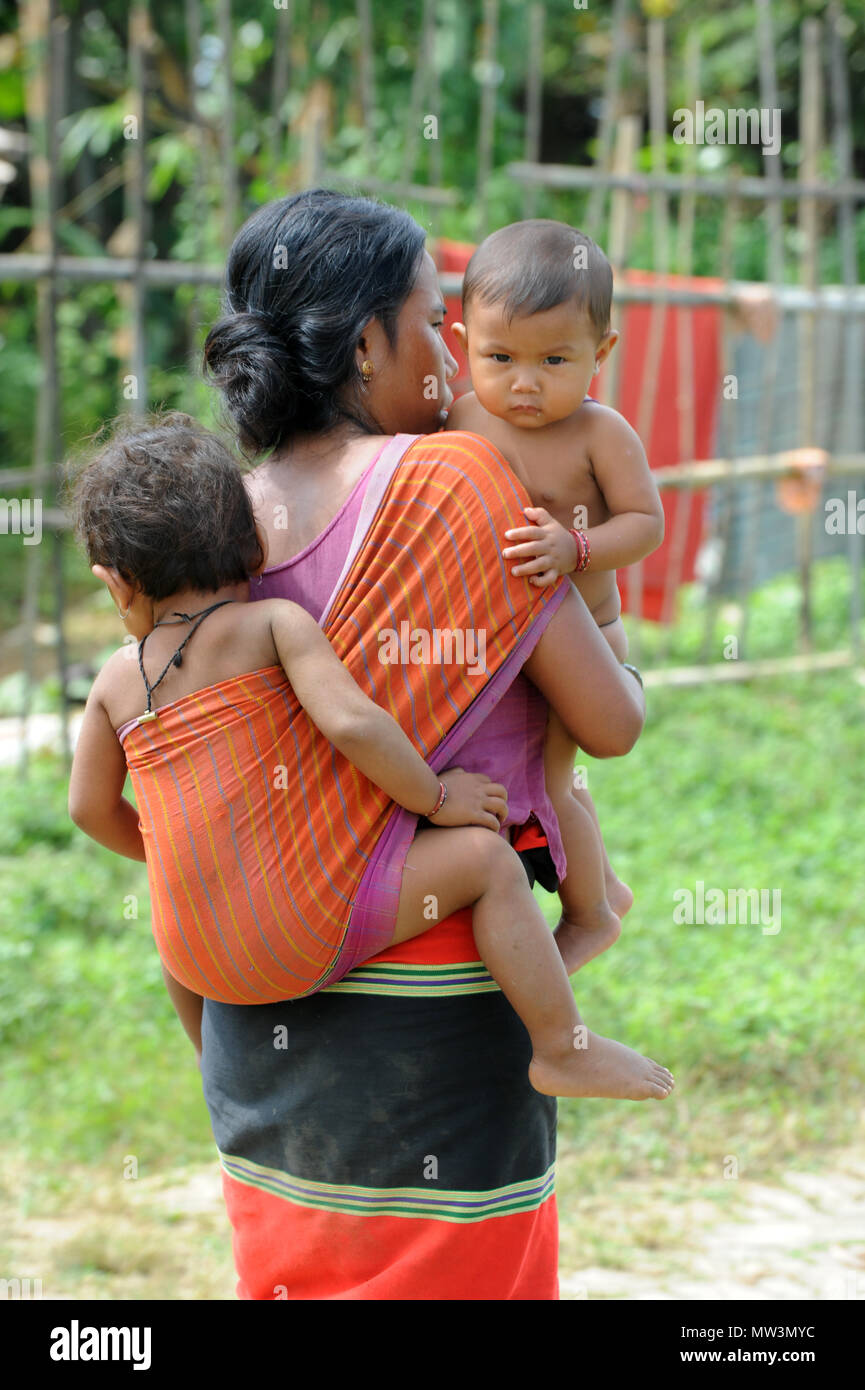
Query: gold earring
{"type": "Point", "coordinates": [367, 369]}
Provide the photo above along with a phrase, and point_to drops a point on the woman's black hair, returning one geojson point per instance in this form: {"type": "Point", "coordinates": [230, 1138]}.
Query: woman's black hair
{"type": "Point", "coordinates": [305, 274]}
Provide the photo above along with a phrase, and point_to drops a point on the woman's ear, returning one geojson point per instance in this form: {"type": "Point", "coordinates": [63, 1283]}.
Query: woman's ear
{"type": "Point", "coordinates": [119, 588]}
{"type": "Point", "coordinates": [372, 345]}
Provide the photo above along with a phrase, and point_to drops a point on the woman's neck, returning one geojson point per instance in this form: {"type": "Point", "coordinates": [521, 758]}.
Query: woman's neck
{"type": "Point", "coordinates": [317, 451]}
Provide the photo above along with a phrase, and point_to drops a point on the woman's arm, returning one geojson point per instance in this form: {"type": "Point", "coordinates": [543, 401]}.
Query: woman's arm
{"type": "Point", "coordinates": [600, 704]}
{"type": "Point", "coordinates": [188, 1007]}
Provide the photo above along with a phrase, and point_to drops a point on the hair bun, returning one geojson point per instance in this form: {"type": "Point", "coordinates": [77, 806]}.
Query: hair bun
{"type": "Point", "coordinates": [255, 368]}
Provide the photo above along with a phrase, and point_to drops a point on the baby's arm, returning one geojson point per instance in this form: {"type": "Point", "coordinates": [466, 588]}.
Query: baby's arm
{"type": "Point", "coordinates": [366, 734]}
{"type": "Point", "coordinates": [634, 528]}
{"type": "Point", "coordinates": [636, 524]}
{"type": "Point", "coordinates": [96, 801]}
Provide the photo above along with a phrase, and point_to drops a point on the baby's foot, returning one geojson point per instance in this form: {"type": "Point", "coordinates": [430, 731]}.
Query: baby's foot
{"type": "Point", "coordinates": [600, 1067]}
{"type": "Point", "coordinates": [619, 895]}
{"type": "Point", "coordinates": [581, 938]}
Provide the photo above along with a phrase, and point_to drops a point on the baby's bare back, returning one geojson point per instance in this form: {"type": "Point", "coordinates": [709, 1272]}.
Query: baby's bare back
{"type": "Point", "coordinates": [554, 464]}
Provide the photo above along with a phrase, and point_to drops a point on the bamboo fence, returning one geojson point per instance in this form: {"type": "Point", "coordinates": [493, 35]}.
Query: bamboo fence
{"type": "Point", "coordinates": [615, 192]}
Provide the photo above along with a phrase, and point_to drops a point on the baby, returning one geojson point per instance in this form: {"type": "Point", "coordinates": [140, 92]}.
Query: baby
{"type": "Point", "coordinates": [536, 309]}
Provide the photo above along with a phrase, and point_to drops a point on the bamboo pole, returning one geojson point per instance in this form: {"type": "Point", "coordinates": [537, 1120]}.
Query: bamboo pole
{"type": "Point", "coordinates": [837, 300]}
{"type": "Point", "coordinates": [230, 191]}
{"type": "Point", "coordinates": [803, 664]}
{"type": "Point", "coordinates": [487, 121]}
{"type": "Point", "coordinates": [772, 168]}
{"type": "Point", "coordinates": [367, 76]}
{"type": "Point", "coordinates": [720, 472]}
{"type": "Point", "coordinates": [609, 114]}
{"type": "Point", "coordinates": [811, 133]}
{"type": "Point", "coordinates": [568, 176]}
{"type": "Point", "coordinates": [56, 108]}
{"type": "Point", "coordinates": [534, 98]}
{"type": "Point", "coordinates": [36, 41]}
{"type": "Point", "coordinates": [646, 409]}
{"type": "Point", "coordinates": [417, 192]}
{"type": "Point", "coordinates": [436, 163]}
{"type": "Point", "coordinates": [724, 525]}
{"type": "Point", "coordinates": [281, 77]}
{"type": "Point", "coordinates": [774, 188]}
{"type": "Point", "coordinates": [712, 472]}
{"type": "Point", "coordinates": [419, 86]}
{"type": "Point", "coordinates": [851, 431]}
{"type": "Point", "coordinates": [192, 14]}
{"type": "Point", "coordinates": [684, 325]}
{"type": "Point", "coordinates": [627, 144]}
{"type": "Point", "coordinates": [136, 206]}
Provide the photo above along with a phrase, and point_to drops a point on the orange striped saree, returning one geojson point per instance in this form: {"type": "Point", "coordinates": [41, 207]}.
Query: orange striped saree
{"type": "Point", "coordinates": [274, 865]}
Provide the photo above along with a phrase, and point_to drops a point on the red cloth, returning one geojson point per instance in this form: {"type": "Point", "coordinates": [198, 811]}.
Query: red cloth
{"type": "Point", "coordinates": [387, 1258]}
{"type": "Point", "coordinates": [664, 447]}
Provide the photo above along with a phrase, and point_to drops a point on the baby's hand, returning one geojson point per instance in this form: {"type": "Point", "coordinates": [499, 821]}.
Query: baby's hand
{"type": "Point", "coordinates": [552, 549]}
{"type": "Point", "coordinates": [472, 799]}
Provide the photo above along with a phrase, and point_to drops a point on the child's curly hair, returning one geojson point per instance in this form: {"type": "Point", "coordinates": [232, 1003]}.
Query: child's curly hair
{"type": "Point", "coordinates": [163, 502]}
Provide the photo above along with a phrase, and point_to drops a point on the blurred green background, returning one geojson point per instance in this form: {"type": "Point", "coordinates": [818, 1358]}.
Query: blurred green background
{"type": "Point", "coordinates": [752, 784]}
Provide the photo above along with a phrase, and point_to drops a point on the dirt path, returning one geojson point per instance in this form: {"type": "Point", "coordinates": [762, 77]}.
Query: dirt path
{"type": "Point", "coordinates": [801, 1238]}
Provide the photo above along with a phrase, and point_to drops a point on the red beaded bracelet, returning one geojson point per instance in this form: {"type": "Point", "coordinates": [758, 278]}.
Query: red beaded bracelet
{"type": "Point", "coordinates": [443, 796]}
{"type": "Point", "coordinates": [584, 552]}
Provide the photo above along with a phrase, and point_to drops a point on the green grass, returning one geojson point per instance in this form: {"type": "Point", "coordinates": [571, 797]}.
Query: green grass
{"type": "Point", "coordinates": [94, 1062]}
{"type": "Point", "coordinates": [743, 786]}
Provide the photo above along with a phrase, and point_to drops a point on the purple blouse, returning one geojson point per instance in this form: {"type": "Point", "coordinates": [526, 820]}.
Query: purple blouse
{"type": "Point", "coordinates": [508, 746]}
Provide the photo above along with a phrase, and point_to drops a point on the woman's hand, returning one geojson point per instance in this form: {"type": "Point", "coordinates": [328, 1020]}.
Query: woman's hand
{"type": "Point", "coordinates": [472, 799]}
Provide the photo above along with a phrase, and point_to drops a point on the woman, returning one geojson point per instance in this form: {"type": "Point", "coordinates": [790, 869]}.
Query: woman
{"type": "Point", "coordinates": [380, 1140]}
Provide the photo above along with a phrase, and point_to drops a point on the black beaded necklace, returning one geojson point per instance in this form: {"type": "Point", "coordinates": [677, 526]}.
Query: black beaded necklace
{"type": "Point", "coordinates": [176, 659]}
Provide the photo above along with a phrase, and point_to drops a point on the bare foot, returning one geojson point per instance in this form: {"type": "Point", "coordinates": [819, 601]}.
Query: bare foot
{"type": "Point", "coordinates": [582, 939]}
{"type": "Point", "coordinates": [600, 1067]}
{"type": "Point", "coordinates": [619, 895]}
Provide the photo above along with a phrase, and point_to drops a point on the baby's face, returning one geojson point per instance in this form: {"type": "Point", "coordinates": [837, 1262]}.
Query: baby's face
{"type": "Point", "coordinates": [536, 369]}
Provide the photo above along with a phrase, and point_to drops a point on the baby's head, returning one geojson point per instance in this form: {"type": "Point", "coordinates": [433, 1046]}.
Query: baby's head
{"type": "Point", "coordinates": [536, 310]}
{"type": "Point", "coordinates": [163, 504]}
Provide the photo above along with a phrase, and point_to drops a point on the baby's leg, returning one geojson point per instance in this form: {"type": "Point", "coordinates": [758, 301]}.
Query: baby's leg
{"type": "Point", "coordinates": [588, 925]}
{"type": "Point", "coordinates": [449, 869]}
{"type": "Point", "coordinates": [619, 895]}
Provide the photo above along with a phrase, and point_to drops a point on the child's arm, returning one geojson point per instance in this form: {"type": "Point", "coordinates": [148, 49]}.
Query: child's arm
{"type": "Point", "coordinates": [367, 735]}
{"type": "Point", "coordinates": [96, 801]}
{"type": "Point", "coordinates": [188, 1007]}
{"type": "Point", "coordinates": [636, 524]}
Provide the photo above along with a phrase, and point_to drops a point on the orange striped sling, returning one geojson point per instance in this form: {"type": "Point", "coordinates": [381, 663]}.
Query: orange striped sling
{"type": "Point", "coordinates": [274, 866]}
